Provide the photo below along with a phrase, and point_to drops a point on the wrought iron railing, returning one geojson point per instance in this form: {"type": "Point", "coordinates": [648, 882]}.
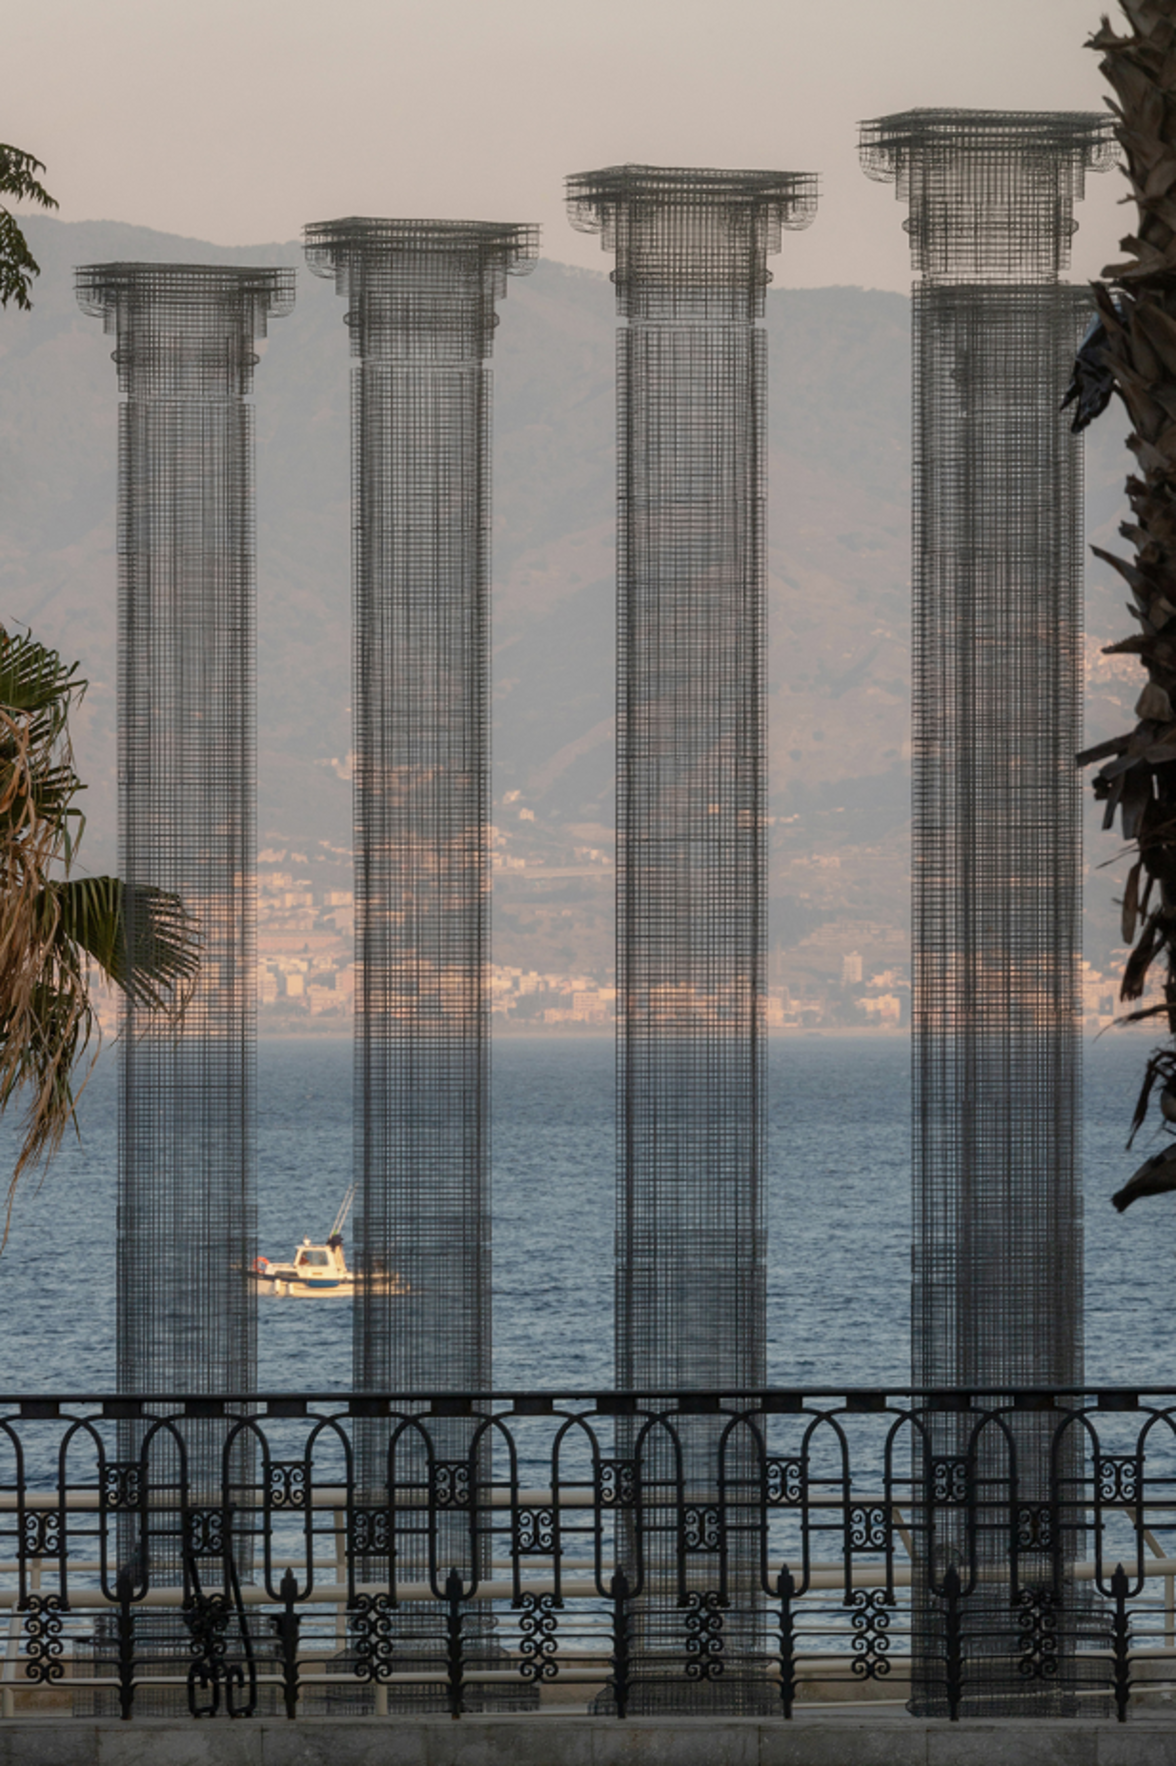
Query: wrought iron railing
{"type": "Point", "coordinates": [867, 1546]}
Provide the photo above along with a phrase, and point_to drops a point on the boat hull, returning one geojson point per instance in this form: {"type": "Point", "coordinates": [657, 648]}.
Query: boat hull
{"type": "Point", "coordinates": [295, 1288]}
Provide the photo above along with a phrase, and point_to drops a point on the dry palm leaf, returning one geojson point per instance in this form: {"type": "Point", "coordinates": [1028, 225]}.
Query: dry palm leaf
{"type": "Point", "coordinates": [1136, 349]}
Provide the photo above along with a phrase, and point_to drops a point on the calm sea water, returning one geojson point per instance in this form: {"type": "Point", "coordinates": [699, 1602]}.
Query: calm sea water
{"type": "Point", "coordinates": [839, 1222]}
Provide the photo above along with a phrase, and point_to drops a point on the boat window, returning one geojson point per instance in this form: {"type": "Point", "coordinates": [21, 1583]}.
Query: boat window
{"type": "Point", "coordinates": [318, 1259]}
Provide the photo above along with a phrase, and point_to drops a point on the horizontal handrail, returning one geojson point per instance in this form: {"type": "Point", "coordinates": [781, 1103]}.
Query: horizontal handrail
{"type": "Point", "coordinates": [775, 1400]}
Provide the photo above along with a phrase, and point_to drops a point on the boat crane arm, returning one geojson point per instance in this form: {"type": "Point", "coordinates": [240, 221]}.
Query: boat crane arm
{"type": "Point", "coordinates": [344, 1210]}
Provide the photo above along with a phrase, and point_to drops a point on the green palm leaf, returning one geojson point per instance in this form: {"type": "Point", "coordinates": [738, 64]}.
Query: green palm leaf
{"type": "Point", "coordinates": [141, 938]}
{"type": "Point", "coordinates": [54, 928]}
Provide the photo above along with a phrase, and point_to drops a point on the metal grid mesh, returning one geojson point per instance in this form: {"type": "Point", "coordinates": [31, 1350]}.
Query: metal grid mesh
{"type": "Point", "coordinates": [997, 1255]}
{"type": "Point", "coordinates": [186, 1211]}
{"type": "Point", "coordinates": [691, 249]}
{"type": "Point", "coordinates": [991, 192]}
{"type": "Point", "coordinates": [421, 315]}
{"type": "Point", "coordinates": [691, 273]}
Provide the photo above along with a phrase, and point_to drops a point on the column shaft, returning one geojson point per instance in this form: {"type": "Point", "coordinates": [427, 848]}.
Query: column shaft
{"type": "Point", "coordinates": [186, 1224]}
{"type": "Point", "coordinates": [996, 911]}
{"type": "Point", "coordinates": [690, 855]}
{"type": "Point", "coordinates": [996, 1299]}
{"type": "Point", "coordinates": [422, 877]}
{"type": "Point", "coordinates": [691, 269]}
{"type": "Point", "coordinates": [422, 297]}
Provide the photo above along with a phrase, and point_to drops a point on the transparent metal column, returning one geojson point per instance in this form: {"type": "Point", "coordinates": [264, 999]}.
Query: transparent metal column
{"type": "Point", "coordinates": [186, 1226]}
{"type": "Point", "coordinates": [186, 1307]}
{"type": "Point", "coordinates": [421, 312]}
{"type": "Point", "coordinates": [996, 905]}
{"type": "Point", "coordinates": [691, 250]}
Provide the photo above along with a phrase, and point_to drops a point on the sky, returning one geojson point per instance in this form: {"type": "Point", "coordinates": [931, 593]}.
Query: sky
{"type": "Point", "coordinates": [237, 121]}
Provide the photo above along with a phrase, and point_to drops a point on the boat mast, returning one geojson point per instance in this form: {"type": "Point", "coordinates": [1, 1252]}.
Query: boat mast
{"type": "Point", "coordinates": [344, 1211]}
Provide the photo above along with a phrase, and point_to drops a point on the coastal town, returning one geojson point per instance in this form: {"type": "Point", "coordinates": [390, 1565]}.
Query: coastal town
{"type": "Point", "coordinates": [553, 902]}
{"type": "Point", "coordinates": [846, 976]}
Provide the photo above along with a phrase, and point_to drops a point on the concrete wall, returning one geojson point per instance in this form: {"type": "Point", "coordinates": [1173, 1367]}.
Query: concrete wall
{"type": "Point", "coordinates": [562, 1741]}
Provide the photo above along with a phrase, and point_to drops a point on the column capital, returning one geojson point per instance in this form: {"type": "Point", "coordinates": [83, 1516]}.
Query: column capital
{"type": "Point", "coordinates": [184, 330]}
{"type": "Point", "coordinates": [420, 288]}
{"type": "Point", "coordinates": [690, 242]}
{"type": "Point", "coordinates": [991, 192]}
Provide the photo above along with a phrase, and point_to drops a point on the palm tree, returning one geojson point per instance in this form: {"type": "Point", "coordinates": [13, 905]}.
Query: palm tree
{"type": "Point", "coordinates": [54, 927]}
{"type": "Point", "coordinates": [1135, 352]}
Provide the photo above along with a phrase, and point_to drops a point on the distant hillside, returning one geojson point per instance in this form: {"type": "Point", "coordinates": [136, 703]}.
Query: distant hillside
{"type": "Point", "coordinates": [838, 562]}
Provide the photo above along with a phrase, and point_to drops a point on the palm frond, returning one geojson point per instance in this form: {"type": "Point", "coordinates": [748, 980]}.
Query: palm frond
{"type": "Point", "coordinates": [54, 928]}
{"type": "Point", "coordinates": [142, 938]}
{"type": "Point", "coordinates": [34, 678]}
{"type": "Point", "coordinates": [1136, 355]}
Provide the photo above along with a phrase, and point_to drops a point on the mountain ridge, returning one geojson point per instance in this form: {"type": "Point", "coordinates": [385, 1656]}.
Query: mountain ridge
{"type": "Point", "coordinates": [838, 587]}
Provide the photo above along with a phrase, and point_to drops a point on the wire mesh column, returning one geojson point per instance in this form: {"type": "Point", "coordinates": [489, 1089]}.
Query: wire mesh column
{"type": "Point", "coordinates": [996, 906]}
{"type": "Point", "coordinates": [186, 1309]}
{"type": "Point", "coordinates": [186, 1231]}
{"type": "Point", "coordinates": [421, 313]}
{"type": "Point", "coordinates": [691, 251]}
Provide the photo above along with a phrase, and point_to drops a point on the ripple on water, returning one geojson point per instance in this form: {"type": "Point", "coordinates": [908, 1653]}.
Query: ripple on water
{"type": "Point", "coordinates": [839, 1221]}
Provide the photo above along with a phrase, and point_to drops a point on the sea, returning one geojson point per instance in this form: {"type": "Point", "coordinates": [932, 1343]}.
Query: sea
{"type": "Point", "coordinates": [838, 1202]}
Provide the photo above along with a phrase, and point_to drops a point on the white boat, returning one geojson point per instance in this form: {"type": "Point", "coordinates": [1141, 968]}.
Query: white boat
{"type": "Point", "coordinates": [317, 1272]}
{"type": "Point", "coordinates": [313, 1272]}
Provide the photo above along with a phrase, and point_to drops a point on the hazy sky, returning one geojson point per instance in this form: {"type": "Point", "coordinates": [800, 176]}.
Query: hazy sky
{"type": "Point", "coordinates": [239, 120]}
